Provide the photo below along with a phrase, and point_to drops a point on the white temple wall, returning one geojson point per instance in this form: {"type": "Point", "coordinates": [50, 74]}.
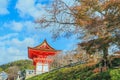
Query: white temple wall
{"type": "Point", "coordinates": [42, 68]}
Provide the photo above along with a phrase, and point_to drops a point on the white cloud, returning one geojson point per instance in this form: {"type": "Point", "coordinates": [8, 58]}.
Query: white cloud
{"type": "Point", "coordinates": [8, 36]}
{"type": "Point", "coordinates": [35, 8]}
{"type": "Point", "coordinates": [3, 7]}
{"type": "Point", "coordinates": [26, 27]}
{"type": "Point", "coordinates": [22, 44]}
{"type": "Point", "coordinates": [30, 26]}
{"type": "Point", "coordinates": [15, 26]}
{"type": "Point", "coordinates": [11, 54]}
{"type": "Point", "coordinates": [14, 49]}
{"type": "Point", "coordinates": [29, 8]}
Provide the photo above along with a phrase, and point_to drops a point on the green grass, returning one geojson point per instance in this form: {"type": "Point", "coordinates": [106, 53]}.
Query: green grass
{"type": "Point", "coordinates": [79, 72]}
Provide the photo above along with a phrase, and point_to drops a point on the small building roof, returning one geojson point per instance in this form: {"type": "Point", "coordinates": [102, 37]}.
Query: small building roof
{"type": "Point", "coordinates": [43, 49]}
{"type": "Point", "coordinates": [44, 46]}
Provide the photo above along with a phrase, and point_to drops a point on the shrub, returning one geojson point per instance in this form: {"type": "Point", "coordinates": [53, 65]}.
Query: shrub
{"type": "Point", "coordinates": [100, 76]}
{"type": "Point", "coordinates": [115, 74]}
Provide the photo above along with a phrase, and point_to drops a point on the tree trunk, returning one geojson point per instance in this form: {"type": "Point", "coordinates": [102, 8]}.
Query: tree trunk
{"type": "Point", "coordinates": [105, 57]}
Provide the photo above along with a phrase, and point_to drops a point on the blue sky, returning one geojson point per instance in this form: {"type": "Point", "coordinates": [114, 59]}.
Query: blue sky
{"type": "Point", "coordinates": [17, 29]}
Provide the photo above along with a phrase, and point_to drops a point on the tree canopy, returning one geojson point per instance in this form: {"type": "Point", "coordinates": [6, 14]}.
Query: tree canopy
{"type": "Point", "coordinates": [99, 21]}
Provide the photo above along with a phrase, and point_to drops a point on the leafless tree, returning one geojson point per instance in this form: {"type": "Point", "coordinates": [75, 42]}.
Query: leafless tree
{"type": "Point", "coordinates": [12, 72]}
{"type": "Point", "coordinates": [96, 21]}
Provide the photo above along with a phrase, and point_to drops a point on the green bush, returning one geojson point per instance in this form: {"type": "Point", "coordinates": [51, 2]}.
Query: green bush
{"type": "Point", "coordinates": [115, 74]}
{"type": "Point", "coordinates": [100, 76]}
{"type": "Point", "coordinates": [1, 69]}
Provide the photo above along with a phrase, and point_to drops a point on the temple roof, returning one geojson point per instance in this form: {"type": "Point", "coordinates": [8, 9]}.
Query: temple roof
{"type": "Point", "coordinates": [42, 50]}
{"type": "Point", "coordinates": [44, 46]}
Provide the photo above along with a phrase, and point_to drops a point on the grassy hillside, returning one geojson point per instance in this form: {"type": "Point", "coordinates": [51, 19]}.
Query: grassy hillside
{"type": "Point", "coordinates": [79, 72]}
{"type": "Point", "coordinates": [74, 72]}
{"type": "Point", "coordinates": [21, 64]}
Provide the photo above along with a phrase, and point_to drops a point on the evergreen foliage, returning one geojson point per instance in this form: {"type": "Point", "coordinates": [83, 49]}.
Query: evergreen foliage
{"type": "Point", "coordinates": [21, 64]}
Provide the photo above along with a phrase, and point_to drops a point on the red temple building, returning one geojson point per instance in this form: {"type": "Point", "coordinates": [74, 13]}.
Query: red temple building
{"type": "Point", "coordinates": [42, 55]}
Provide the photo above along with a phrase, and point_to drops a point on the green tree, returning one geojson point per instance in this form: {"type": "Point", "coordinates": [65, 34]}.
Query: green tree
{"type": "Point", "coordinates": [1, 69]}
